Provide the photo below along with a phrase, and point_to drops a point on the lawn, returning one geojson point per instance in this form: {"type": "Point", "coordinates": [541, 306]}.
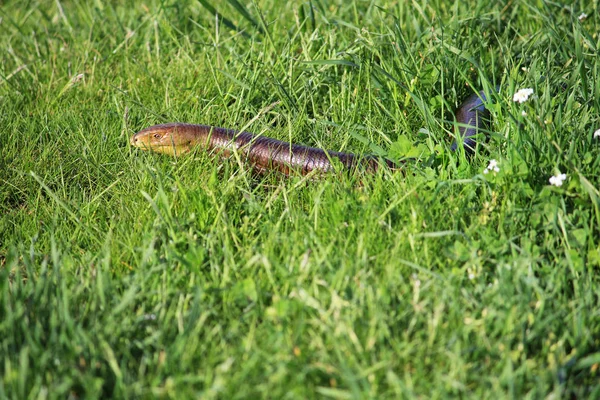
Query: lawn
{"type": "Point", "coordinates": [129, 274]}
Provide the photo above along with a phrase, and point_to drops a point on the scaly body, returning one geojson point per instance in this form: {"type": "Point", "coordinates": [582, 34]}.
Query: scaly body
{"type": "Point", "coordinates": [266, 154]}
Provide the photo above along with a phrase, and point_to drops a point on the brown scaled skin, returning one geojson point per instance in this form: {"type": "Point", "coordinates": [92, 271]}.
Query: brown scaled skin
{"type": "Point", "coordinates": [267, 154]}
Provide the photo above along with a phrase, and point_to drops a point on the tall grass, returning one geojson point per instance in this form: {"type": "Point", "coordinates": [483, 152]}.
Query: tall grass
{"type": "Point", "coordinates": [127, 274]}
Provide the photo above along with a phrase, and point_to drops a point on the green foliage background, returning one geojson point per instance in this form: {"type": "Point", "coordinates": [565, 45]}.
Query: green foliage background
{"type": "Point", "coordinates": [127, 274]}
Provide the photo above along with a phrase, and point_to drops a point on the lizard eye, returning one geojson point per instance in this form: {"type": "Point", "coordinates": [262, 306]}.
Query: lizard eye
{"type": "Point", "coordinates": [157, 136]}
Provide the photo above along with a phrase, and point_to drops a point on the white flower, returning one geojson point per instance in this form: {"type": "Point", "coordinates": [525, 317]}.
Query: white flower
{"type": "Point", "coordinates": [493, 166]}
{"type": "Point", "coordinates": [558, 179]}
{"type": "Point", "coordinates": [597, 134]}
{"type": "Point", "coordinates": [582, 17]}
{"type": "Point", "coordinates": [471, 276]}
{"type": "Point", "coordinates": [522, 95]}
{"type": "Point", "coordinates": [416, 281]}
{"type": "Point", "coordinates": [524, 113]}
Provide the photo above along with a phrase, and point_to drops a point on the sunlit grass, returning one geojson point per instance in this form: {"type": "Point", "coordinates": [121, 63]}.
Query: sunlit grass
{"type": "Point", "coordinates": [125, 274]}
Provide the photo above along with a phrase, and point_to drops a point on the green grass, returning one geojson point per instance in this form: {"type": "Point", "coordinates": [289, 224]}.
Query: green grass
{"type": "Point", "coordinates": [127, 274]}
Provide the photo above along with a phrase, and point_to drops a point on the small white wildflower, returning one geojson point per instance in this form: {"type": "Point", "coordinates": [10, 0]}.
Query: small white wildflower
{"type": "Point", "coordinates": [524, 69]}
{"type": "Point", "coordinates": [522, 95]}
{"type": "Point", "coordinates": [597, 134]}
{"type": "Point", "coordinates": [492, 166]}
{"type": "Point", "coordinates": [582, 17]}
{"type": "Point", "coordinates": [558, 179]}
{"type": "Point", "coordinates": [471, 276]}
{"type": "Point", "coordinates": [416, 280]}
{"type": "Point", "coordinates": [524, 113]}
